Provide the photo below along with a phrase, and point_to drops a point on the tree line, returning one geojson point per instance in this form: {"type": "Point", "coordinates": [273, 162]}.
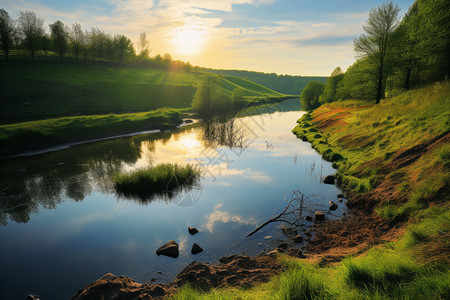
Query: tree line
{"type": "Point", "coordinates": [27, 34]}
{"type": "Point", "coordinates": [393, 55]}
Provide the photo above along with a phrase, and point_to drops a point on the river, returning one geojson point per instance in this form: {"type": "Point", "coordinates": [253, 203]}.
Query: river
{"type": "Point", "coordinates": [62, 225]}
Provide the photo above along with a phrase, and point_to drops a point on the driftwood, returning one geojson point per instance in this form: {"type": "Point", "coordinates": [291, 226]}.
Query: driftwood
{"type": "Point", "coordinates": [275, 219]}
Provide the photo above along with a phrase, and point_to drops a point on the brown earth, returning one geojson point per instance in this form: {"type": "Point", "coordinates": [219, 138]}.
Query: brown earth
{"type": "Point", "coordinates": [233, 271]}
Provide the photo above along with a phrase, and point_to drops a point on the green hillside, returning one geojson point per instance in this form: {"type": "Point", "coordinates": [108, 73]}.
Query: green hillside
{"type": "Point", "coordinates": [49, 90]}
{"type": "Point", "coordinates": [286, 84]}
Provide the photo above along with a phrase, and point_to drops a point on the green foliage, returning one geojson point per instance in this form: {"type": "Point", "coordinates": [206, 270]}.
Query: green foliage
{"type": "Point", "coordinates": [60, 37]}
{"type": "Point", "coordinates": [161, 179]}
{"type": "Point", "coordinates": [329, 92]}
{"type": "Point", "coordinates": [210, 100]}
{"type": "Point", "coordinates": [309, 98]}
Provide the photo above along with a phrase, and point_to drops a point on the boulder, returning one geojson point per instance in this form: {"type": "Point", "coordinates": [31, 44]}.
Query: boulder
{"type": "Point", "coordinates": [319, 216]}
{"type": "Point", "coordinates": [274, 252]}
{"type": "Point", "coordinates": [283, 245]}
{"type": "Point", "coordinates": [196, 249]}
{"type": "Point", "coordinates": [192, 230]}
{"type": "Point", "coordinates": [298, 238]}
{"type": "Point", "coordinates": [329, 179]}
{"type": "Point", "coordinates": [333, 206]}
{"type": "Point", "coordinates": [340, 196]}
{"type": "Point", "coordinates": [308, 218]}
{"type": "Point", "coordinates": [169, 249]}
{"type": "Point", "coordinates": [300, 254]}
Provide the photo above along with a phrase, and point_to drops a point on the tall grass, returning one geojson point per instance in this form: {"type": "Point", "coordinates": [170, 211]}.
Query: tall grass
{"type": "Point", "coordinates": [162, 179]}
{"type": "Point", "coordinates": [298, 284]}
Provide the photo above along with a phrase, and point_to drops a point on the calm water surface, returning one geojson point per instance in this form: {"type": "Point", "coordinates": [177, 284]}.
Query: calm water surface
{"type": "Point", "coordinates": [63, 226]}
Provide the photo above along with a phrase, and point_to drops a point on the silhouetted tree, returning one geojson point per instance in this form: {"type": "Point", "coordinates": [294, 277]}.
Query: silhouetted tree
{"type": "Point", "coordinates": [76, 39]}
{"type": "Point", "coordinates": [60, 38]}
{"type": "Point", "coordinates": [377, 42]}
{"type": "Point", "coordinates": [209, 100]}
{"type": "Point", "coordinates": [32, 29]}
{"type": "Point", "coordinates": [7, 32]}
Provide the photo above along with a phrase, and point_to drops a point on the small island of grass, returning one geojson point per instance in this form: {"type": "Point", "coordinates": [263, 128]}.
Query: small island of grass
{"type": "Point", "coordinates": [163, 179]}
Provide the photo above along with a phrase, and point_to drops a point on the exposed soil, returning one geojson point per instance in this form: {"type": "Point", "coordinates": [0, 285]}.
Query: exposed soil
{"type": "Point", "coordinates": [233, 271]}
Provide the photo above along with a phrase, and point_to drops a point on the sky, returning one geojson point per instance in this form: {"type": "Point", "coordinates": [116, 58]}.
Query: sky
{"type": "Point", "coordinates": [295, 37]}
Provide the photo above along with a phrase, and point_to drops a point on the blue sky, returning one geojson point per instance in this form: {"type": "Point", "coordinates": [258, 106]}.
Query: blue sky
{"type": "Point", "coordinates": [294, 37]}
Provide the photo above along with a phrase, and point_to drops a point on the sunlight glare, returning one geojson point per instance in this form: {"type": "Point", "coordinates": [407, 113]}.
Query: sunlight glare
{"type": "Point", "coordinates": [188, 40]}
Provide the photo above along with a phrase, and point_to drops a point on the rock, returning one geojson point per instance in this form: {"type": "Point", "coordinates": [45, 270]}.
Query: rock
{"type": "Point", "coordinates": [308, 218]}
{"type": "Point", "coordinates": [333, 206]}
{"type": "Point", "coordinates": [274, 252]}
{"type": "Point", "coordinates": [32, 297]}
{"type": "Point", "coordinates": [340, 196]}
{"type": "Point", "coordinates": [300, 254]}
{"type": "Point", "coordinates": [340, 200]}
{"type": "Point", "coordinates": [260, 244]}
{"type": "Point", "coordinates": [169, 249]}
{"type": "Point", "coordinates": [283, 245]}
{"type": "Point", "coordinates": [298, 238]}
{"type": "Point", "coordinates": [319, 216]}
{"type": "Point", "coordinates": [196, 249]}
{"type": "Point", "coordinates": [267, 237]}
{"type": "Point", "coordinates": [192, 230]}
{"type": "Point", "coordinates": [188, 121]}
{"type": "Point", "coordinates": [329, 179]}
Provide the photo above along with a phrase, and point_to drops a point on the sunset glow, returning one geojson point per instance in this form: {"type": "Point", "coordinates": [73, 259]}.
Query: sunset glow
{"type": "Point", "coordinates": [188, 40]}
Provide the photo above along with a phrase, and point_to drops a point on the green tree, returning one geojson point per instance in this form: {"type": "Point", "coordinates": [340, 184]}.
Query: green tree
{"type": "Point", "coordinates": [358, 81]}
{"type": "Point", "coordinates": [60, 38]}
{"type": "Point", "coordinates": [32, 29]}
{"type": "Point", "coordinates": [209, 100]}
{"type": "Point", "coordinates": [46, 43]}
{"type": "Point", "coordinates": [377, 43]}
{"type": "Point", "coordinates": [7, 32]}
{"type": "Point", "coordinates": [429, 29]}
{"type": "Point", "coordinates": [329, 92]}
{"type": "Point", "coordinates": [76, 39]}
{"type": "Point", "coordinates": [123, 47]}
{"type": "Point", "coordinates": [309, 98]}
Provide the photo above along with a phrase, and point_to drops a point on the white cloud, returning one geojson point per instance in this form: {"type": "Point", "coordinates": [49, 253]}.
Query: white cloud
{"type": "Point", "coordinates": [225, 217]}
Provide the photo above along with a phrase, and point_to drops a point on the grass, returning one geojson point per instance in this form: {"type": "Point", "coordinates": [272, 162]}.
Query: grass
{"type": "Point", "coordinates": [362, 140]}
{"type": "Point", "coordinates": [162, 179]}
{"type": "Point", "coordinates": [34, 135]}
{"type": "Point", "coordinates": [36, 91]}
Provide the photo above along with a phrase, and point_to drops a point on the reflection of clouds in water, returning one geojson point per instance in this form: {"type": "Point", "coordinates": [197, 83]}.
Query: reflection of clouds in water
{"type": "Point", "coordinates": [224, 217]}
{"type": "Point", "coordinates": [222, 170]}
{"type": "Point", "coordinates": [182, 243]}
{"type": "Point", "coordinates": [129, 246]}
{"type": "Point", "coordinates": [86, 220]}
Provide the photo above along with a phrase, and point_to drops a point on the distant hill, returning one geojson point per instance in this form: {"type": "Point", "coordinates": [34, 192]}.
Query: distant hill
{"type": "Point", "coordinates": [286, 84]}
{"type": "Point", "coordinates": [43, 90]}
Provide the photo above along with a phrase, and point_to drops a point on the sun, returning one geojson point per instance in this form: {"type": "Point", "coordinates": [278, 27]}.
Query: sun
{"type": "Point", "coordinates": [188, 40]}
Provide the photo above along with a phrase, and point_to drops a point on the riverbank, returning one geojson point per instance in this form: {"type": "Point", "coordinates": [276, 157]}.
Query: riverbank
{"type": "Point", "coordinates": [392, 160]}
{"type": "Point", "coordinates": [37, 135]}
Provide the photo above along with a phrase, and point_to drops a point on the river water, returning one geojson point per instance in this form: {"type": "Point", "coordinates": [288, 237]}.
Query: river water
{"type": "Point", "coordinates": [62, 225]}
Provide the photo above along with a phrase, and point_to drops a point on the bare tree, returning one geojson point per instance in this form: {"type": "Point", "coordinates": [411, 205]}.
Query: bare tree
{"type": "Point", "coordinates": [60, 37]}
{"type": "Point", "coordinates": [7, 32]}
{"type": "Point", "coordinates": [32, 29]}
{"type": "Point", "coordinates": [377, 42]}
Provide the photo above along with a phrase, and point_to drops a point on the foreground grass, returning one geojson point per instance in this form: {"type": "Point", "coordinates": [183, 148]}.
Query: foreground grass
{"type": "Point", "coordinates": [163, 179]}
{"type": "Point", "coordinates": [363, 141]}
{"type": "Point", "coordinates": [34, 135]}
{"type": "Point", "coordinates": [36, 91]}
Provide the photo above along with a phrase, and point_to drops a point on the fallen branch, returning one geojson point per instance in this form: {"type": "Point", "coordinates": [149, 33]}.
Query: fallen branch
{"type": "Point", "coordinates": [275, 219]}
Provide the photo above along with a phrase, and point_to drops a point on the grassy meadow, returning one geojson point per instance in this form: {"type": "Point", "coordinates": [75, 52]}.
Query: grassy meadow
{"type": "Point", "coordinates": [50, 90]}
{"type": "Point", "coordinates": [47, 104]}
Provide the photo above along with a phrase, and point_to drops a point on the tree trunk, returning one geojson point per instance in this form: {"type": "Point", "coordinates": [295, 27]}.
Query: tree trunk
{"type": "Point", "coordinates": [408, 78]}
{"type": "Point", "coordinates": [380, 85]}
